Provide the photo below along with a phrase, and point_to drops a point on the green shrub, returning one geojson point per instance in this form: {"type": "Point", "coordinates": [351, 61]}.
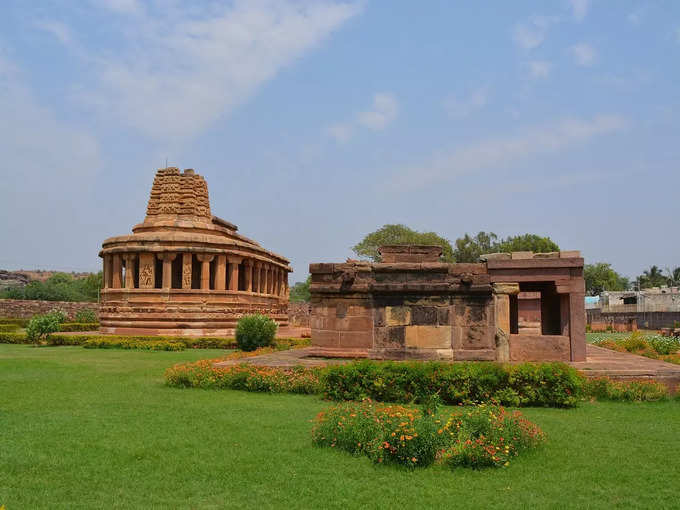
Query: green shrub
{"type": "Point", "coordinates": [69, 327]}
{"type": "Point", "coordinates": [86, 315]}
{"type": "Point", "coordinates": [603, 388]}
{"type": "Point", "coordinates": [9, 327]}
{"type": "Point", "coordinates": [253, 331]}
{"type": "Point", "coordinates": [40, 327]}
{"type": "Point", "coordinates": [22, 323]}
{"type": "Point", "coordinates": [128, 343]}
{"type": "Point", "coordinates": [489, 436]}
{"type": "Point", "coordinates": [384, 433]}
{"type": "Point", "coordinates": [526, 384]}
{"type": "Point", "coordinates": [13, 338]}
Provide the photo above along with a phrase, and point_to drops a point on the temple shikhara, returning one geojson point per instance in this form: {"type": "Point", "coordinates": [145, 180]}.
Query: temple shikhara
{"type": "Point", "coordinates": [413, 306]}
{"type": "Point", "coordinates": [184, 271]}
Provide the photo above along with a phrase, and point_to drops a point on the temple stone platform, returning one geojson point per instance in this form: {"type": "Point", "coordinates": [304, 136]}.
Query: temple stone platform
{"type": "Point", "coordinates": [599, 362]}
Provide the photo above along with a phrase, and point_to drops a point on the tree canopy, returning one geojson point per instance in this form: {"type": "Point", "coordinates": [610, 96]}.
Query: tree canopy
{"type": "Point", "coordinates": [299, 293]}
{"type": "Point", "coordinates": [653, 277]}
{"type": "Point", "coordinates": [400, 234]}
{"type": "Point", "coordinates": [58, 287]}
{"type": "Point", "coordinates": [469, 248]}
{"type": "Point", "coordinates": [600, 277]}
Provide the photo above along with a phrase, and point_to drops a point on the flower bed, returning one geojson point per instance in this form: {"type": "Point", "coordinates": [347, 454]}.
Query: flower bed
{"type": "Point", "coordinates": [603, 388]}
{"type": "Point", "coordinates": [486, 436]}
{"type": "Point", "coordinates": [651, 346]}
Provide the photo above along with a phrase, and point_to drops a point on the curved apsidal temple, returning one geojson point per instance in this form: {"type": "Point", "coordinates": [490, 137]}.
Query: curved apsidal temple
{"type": "Point", "coordinates": [185, 272]}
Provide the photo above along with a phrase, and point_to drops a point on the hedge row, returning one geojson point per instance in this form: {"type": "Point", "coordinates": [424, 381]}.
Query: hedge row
{"type": "Point", "coordinates": [9, 327]}
{"type": "Point", "coordinates": [129, 343]}
{"type": "Point", "coordinates": [22, 323]}
{"type": "Point", "coordinates": [525, 384]}
{"type": "Point", "coordinates": [112, 340]}
{"type": "Point", "coordinates": [66, 327]}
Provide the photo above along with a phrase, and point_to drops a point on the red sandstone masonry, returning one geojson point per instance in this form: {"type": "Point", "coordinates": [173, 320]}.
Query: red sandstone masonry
{"type": "Point", "coordinates": [25, 309]}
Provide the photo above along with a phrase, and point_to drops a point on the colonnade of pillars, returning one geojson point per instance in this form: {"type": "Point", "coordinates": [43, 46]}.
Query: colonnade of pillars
{"type": "Point", "coordinates": [217, 272]}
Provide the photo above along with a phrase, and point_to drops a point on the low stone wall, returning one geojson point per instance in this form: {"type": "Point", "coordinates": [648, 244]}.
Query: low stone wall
{"type": "Point", "coordinates": [299, 314]}
{"type": "Point", "coordinates": [25, 309]}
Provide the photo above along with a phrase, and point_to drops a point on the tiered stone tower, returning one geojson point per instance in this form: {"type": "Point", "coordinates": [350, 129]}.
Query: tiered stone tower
{"type": "Point", "coordinates": [186, 272]}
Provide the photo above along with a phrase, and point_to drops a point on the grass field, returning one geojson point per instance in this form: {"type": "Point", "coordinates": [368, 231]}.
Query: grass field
{"type": "Point", "coordinates": [95, 428]}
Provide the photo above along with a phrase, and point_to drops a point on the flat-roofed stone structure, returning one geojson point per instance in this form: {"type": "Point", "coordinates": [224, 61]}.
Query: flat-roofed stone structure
{"type": "Point", "coordinates": [413, 306]}
{"type": "Point", "coordinates": [184, 271]}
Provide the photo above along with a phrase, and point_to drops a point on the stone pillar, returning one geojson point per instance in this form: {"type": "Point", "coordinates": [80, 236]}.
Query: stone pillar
{"type": "Point", "coordinates": [270, 274]}
{"type": "Point", "coordinates": [248, 277]}
{"type": "Point", "coordinates": [256, 277]}
{"type": "Point", "coordinates": [167, 259]}
{"type": "Point", "coordinates": [263, 278]}
{"type": "Point", "coordinates": [221, 273]}
{"type": "Point", "coordinates": [284, 283]}
{"type": "Point", "coordinates": [577, 326]}
{"type": "Point", "coordinates": [129, 271]}
{"type": "Point", "coordinates": [147, 271]}
{"type": "Point", "coordinates": [234, 261]}
{"type": "Point", "coordinates": [117, 280]}
{"type": "Point", "coordinates": [502, 293]}
{"type": "Point", "coordinates": [187, 270]}
{"type": "Point", "coordinates": [275, 281]}
{"type": "Point", "coordinates": [205, 259]}
{"type": "Point", "coordinates": [106, 271]}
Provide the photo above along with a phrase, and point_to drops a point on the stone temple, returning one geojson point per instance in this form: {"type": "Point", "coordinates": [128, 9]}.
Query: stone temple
{"type": "Point", "coordinates": [412, 306]}
{"type": "Point", "coordinates": [184, 271]}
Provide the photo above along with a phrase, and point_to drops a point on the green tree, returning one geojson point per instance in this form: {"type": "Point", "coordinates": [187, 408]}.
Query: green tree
{"type": "Point", "coordinates": [400, 234]}
{"type": "Point", "coordinates": [59, 287]}
{"type": "Point", "coordinates": [652, 277]}
{"type": "Point", "coordinates": [527, 242]}
{"type": "Point", "coordinates": [469, 248]}
{"type": "Point", "coordinates": [673, 277]}
{"type": "Point", "coordinates": [600, 277]}
{"type": "Point", "coordinates": [299, 293]}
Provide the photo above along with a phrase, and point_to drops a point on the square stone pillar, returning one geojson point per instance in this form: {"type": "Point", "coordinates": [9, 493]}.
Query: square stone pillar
{"type": "Point", "coordinates": [233, 271]}
{"type": "Point", "coordinates": [577, 326]}
{"type": "Point", "coordinates": [117, 280]}
{"type": "Point", "coordinates": [205, 260]}
{"type": "Point", "coordinates": [187, 270]}
{"type": "Point", "coordinates": [502, 293]}
{"type": "Point", "coordinates": [263, 279]}
{"type": "Point", "coordinates": [221, 273]}
{"type": "Point", "coordinates": [248, 276]}
{"type": "Point", "coordinates": [147, 271]}
{"type": "Point", "coordinates": [129, 271]}
{"type": "Point", "coordinates": [275, 281]}
{"type": "Point", "coordinates": [167, 259]}
{"type": "Point", "coordinates": [270, 277]}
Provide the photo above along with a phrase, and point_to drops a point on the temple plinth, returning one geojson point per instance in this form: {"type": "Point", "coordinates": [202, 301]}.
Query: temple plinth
{"type": "Point", "coordinates": [184, 271]}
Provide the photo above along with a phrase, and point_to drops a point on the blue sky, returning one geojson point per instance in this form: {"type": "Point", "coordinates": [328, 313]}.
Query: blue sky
{"type": "Point", "coordinates": [315, 123]}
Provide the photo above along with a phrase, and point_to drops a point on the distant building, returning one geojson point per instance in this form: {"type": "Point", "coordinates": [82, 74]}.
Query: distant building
{"type": "Point", "coordinates": [655, 308]}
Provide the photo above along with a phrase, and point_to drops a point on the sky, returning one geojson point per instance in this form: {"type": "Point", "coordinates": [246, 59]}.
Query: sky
{"type": "Point", "coordinates": [317, 122]}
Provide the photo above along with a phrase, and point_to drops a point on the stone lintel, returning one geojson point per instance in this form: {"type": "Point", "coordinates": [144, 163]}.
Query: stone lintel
{"type": "Point", "coordinates": [506, 288]}
{"type": "Point", "coordinates": [533, 263]}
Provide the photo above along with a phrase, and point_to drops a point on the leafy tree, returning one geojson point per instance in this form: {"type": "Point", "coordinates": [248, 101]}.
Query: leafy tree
{"type": "Point", "coordinates": [469, 248]}
{"type": "Point", "coordinates": [40, 327]}
{"type": "Point", "coordinates": [673, 277]}
{"type": "Point", "coordinates": [600, 277]}
{"type": "Point", "coordinates": [400, 234]}
{"type": "Point", "coordinates": [59, 287]}
{"type": "Point", "coordinates": [299, 293]}
{"type": "Point", "coordinates": [652, 277]}
{"type": "Point", "coordinates": [527, 242]}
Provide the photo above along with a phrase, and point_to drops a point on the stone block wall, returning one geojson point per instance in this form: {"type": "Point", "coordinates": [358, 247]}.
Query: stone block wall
{"type": "Point", "coordinates": [25, 309]}
{"type": "Point", "coordinates": [299, 314]}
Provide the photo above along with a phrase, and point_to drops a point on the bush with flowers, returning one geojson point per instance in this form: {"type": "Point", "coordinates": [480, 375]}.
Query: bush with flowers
{"type": "Point", "coordinates": [484, 436]}
{"type": "Point", "coordinates": [489, 436]}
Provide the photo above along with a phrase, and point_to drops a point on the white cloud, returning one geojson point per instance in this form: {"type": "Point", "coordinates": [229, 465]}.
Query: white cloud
{"type": "Point", "coordinates": [462, 107]}
{"type": "Point", "coordinates": [342, 132]}
{"type": "Point", "coordinates": [383, 112]}
{"type": "Point", "coordinates": [46, 163]}
{"type": "Point", "coordinates": [57, 29]}
{"type": "Point", "coordinates": [635, 17]}
{"type": "Point", "coordinates": [584, 54]}
{"type": "Point", "coordinates": [491, 153]}
{"type": "Point", "coordinates": [579, 8]}
{"type": "Point", "coordinates": [539, 68]}
{"type": "Point", "coordinates": [532, 33]}
{"type": "Point", "coordinates": [184, 66]}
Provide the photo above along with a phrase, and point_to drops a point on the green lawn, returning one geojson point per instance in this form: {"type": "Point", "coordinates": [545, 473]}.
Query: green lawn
{"type": "Point", "coordinates": [91, 428]}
